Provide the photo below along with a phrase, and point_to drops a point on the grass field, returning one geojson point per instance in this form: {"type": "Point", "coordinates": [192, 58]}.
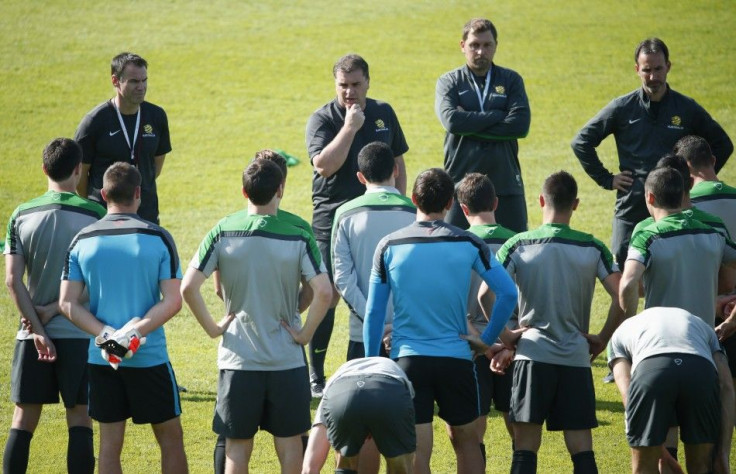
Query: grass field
{"type": "Point", "coordinates": [236, 77]}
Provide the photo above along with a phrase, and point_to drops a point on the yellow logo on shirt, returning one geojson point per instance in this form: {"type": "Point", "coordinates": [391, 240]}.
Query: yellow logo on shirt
{"type": "Point", "coordinates": [676, 120]}
{"type": "Point", "coordinates": [500, 90]}
{"type": "Point", "coordinates": [380, 124]}
{"type": "Point", "coordinates": [148, 128]}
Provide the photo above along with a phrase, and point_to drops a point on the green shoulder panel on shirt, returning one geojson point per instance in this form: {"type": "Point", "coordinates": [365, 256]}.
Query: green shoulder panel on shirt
{"type": "Point", "coordinates": [369, 200]}
{"type": "Point", "coordinates": [69, 201]}
{"type": "Point", "coordinates": [295, 220]}
{"type": "Point", "coordinates": [708, 190]}
{"type": "Point", "coordinates": [242, 224]}
{"type": "Point", "coordinates": [492, 233]}
{"type": "Point", "coordinates": [673, 224]}
{"type": "Point", "coordinates": [553, 233]}
{"type": "Point", "coordinates": [693, 213]}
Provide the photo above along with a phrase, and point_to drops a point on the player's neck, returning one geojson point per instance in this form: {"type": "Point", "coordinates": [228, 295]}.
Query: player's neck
{"type": "Point", "coordinates": [66, 186]}
{"type": "Point", "coordinates": [705, 175]}
{"type": "Point", "coordinates": [432, 216]}
{"type": "Point", "coordinates": [125, 107]}
{"type": "Point", "coordinates": [482, 218]}
{"type": "Point", "coordinates": [270, 208]}
{"type": "Point", "coordinates": [658, 213]}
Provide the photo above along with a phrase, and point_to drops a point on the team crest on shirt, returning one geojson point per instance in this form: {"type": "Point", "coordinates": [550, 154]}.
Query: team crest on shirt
{"type": "Point", "coordinates": [380, 126]}
{"type": "Point", "coordinates": [718, 186]}
{"type": "Point", "coordinates": [676, 123]}
{"type": "Point", "coordinates": [383, 197]}
{"type": "Point", "coordinates": [500, 90]}
{"type": "Point", "coordinates": [261, 223]}
{"type": "Point", "coordinates": [489, 232]}
{"type": "Point", "coordinates": [148, 131]}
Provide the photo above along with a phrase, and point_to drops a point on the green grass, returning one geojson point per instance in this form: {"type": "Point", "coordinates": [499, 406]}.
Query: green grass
{"type": "Point", "coordinates": [235, 77]}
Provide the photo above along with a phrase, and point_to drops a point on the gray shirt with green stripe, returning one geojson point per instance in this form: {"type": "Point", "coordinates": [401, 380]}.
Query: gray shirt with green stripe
{"type": "Point", "coordinates": [717, 198]}
{"type": "Point", "coordinates": [555, 269]}
{"type": "Point", "coordinates": [40, 231]}
{"type": "Point", "coordinates": [261, 260]}
{"type": "Point", "coordinates": [681, 256]}
{"type": "Point", "coordinates": [358, 227]}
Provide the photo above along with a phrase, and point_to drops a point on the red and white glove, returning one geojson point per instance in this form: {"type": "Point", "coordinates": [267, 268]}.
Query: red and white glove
{"type": "Point", "coordinates": [123, 343]}
{"type": "Point", "coordinates": [100, 342]}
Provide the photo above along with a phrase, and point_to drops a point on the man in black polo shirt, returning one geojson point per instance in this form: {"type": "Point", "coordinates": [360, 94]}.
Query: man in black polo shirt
{"type": "Point", "coordinates": [336, 132]}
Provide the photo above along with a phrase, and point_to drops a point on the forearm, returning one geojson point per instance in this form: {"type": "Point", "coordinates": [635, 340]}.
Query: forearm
{"type": "Point", "coordinates": [504, 288]}
{"type": "Point", "coordinates": [622, 375]}
{"type": "Point", "coordinates": [164, 310]}
{"type": "Point", "coordinates": [196, 304]}
{"type": "Point", "coordinates": [728, 415]}
{"type": "Point", "coordinates": [375, 317]}
{"type": "Point", "coordinates": [320, 304]}
{"type": "Point", "coordinates": [158, 162]}
{"type": "Point", "coordinates": [401, 178]}
{"type": "Point", "coordinates": [333, 156]}
{"type": "Point", "coordinates": [83, 181]}
{"type": "Point", "coordinates": [81, 317]}
{"type": "Point", "coordinates": [22, 299]}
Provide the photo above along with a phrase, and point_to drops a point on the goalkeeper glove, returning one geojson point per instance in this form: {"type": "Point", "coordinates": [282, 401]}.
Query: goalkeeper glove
{"type": "Point", "coordinates": [100, 341]}
{"type": "Point", "coordinates": [122, 343]}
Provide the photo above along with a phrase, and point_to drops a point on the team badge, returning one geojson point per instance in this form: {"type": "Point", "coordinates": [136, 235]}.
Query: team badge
{"type": "Point", "coordinates": [148, 128]}
{"type": "Point", "coordinates": [718, 186]}
{"type": "Point", "coordinates": [383, 197]}
{"type": "Point", "coordinates": [500, 90]}
{"type": "Point", "coordinates": [676, 120]}
{"type": "Point", "coordinates": [490, 232]}
{"type": "Point", "coordinates": [261, 223]}
{"type": "Point", "coordinates": [380, 124]}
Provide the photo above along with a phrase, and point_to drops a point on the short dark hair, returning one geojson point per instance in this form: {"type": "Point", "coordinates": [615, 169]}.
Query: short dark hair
{"type": "Point", "coordinates": [376, 162]}
{"type": "Point", "coordinates": [117, 66]}
{"type": "Point", "coordinates": [560, 191]}
{"type": "Point", "coordinates": [261, 180]}
{"type": "Point", "coordinates": [120, 181]}
{"type": "Point", "coordinates": [695, 150]}
{"type": "Point", "coordinates": [677, 163]}
{"type": "Point", "coordinates": [652, 46]}
{"type": "Point", "coordinates": [477, 192]}
{"type": "Point", "coordinates": [433, 190]}
{"type": "Point", "coordinates": [667, 186]}
{"type": "Point", "coordinates": [60, 157]}
{"type": "Point", "coordinates": [350, 63]}
{"type": "Point", "coordinates": [479, 25]}
{"type": "Point", "coordinates": [274, 157]}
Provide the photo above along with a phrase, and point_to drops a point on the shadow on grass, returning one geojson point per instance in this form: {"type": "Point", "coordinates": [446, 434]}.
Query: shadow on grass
{"type": "Point", "coordinates": [193, 396]}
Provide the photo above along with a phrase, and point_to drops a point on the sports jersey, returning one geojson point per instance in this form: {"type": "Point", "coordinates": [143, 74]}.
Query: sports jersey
{"type": "Point", "coordinates": [323, 126]}
{"type": "Point", "coordinates": [121, 259]}
{"type": "Point", "coordinates": [40, 232]}
{"type": "Point", "coordinates": [103, 143]}
{"type": "Point", "coordinates": [426, 269]}
{"type": "Point", "coordinates": [494, 235]}
{"type": "Point", "coordinates": [717, 198]}
{"type": "Point", "coordinates": [483, 137]}
{"type": "Point", "coordinates": [359, 225]}
{"type": "Point", "coordinates": [694, 213]}
{"type": "Point", "coordinates": [555, 269]}
{"type": "Point", "coordinates": [681, 257]}
{"type": "Point", "coordinates": [261, 260]}
{"type": "Point", "coordinates": [382, 366]}
{"type": "Point", "coordinates": [644, 133]}
{"type": "Point", "coordinates": [661, 330]}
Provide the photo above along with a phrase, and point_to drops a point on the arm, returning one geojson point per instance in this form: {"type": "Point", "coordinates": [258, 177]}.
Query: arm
{"type": "Point", "coordinates": [518, 117]}
{"type": "Point", "coordinates": [613, 320]}
{"type": "Point", "coordinates": [401, 178]}
{"type": "Point", "coordinates": [83, 180]}
{"type": "Point", "coordinates": [191, 292]}
{"type": "Point", "coordinates": [629, 287]}
{"type": "Point", "coordinates": [70, 303]}
{"type": "Point", "coordinates": [504, 288]}
{"type": "Point", "coordinates": [317, 449]}
{"type": "Point", "coordinates": [158, 163]}
{"type": "Point", "coordinates": [453, 118]}
{"type": "Point", "coordinates": [727, 410]}
{"type": "Point", "coordinates": [322, 289]}
{"type": "Point", "coordinates": [587, 140]}
{"type": "Point", "coordinates": [373, 325]}
{"type": "Point", "coordinates": [164, 310]}
{"type": "Point", "coordinates": [333, 156]}
{"type": "Point", "coordinates": [720, 144]}
{"type": "Point", "coordinates": [15, 267]}
{"type": "Point", "coordinates": [306, 294]}
{"type": "Point", "coordinates": [345, 274]}
{"type": "Point", "coordinates": [621, 369]}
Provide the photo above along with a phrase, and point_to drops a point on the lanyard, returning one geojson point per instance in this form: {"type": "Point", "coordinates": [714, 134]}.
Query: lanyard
{"type": "Point", "coordinates": [482, 100]}
{"type": "Point", "coordinates": [125, 129]}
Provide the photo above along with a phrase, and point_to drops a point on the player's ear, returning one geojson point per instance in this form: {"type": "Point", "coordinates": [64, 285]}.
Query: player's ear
{"type": "Point", "coordinates": [414, 199]}
{"type": "Point", "coordinates": [396, 170]}
{"type": "Point", "coordinates": [465, 209]}
{"type": "Point", "coordinates": [449, 204]}
{"type": "Point", "coordinates": [541, 200]}
{"type": "Point", "coordinates": [103, 193]}
{"type": "Point", "coordinates": [245, 194]}
{"type": "Point", "coordinates": [575, 204]}
{"type": "Point", "coordinates": [494, 206]}
{"type": "Point", "coordinates": [361, 178]}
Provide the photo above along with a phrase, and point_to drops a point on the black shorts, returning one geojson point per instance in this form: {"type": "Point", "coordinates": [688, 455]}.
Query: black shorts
{"type": "Point", "coordinates": [449, 381]}
{"type": "Point", "coordinates": [36, 382]}
{"type": "Point", "coordinates": [147, 394]}
{"type": "Point", "coordinates": [356, 350]}
{"type": "Point", "coordinates": [729, 347]}
{"type": "Point", "coordinates": [276, 401]}
{"type": "Point", "coordinates": [673, 389]}
{"type": "Point", "coordinates": [563, 396]}
{"type": "Point", "coordinates": [494, 388]}
{"type": "Point", "coordinates": [355, 406]}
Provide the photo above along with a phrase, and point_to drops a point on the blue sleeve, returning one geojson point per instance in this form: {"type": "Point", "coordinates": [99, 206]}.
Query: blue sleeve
{"type": "Point", "coordinates": [375, 316]}
{"type": "Point", "coordinates": [503, 286]}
